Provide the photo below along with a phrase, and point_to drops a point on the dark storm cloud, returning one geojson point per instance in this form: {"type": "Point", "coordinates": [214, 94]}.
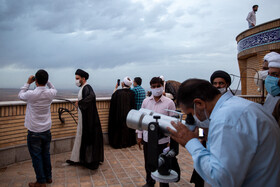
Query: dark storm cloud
{"type": "Point", "coordinates": [92, 33]}
{"type": "Point", "coordinates": [117, 38]}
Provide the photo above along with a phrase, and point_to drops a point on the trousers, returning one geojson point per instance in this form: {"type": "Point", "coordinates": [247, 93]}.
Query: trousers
{"type": "Point", "coordinates": [39, 148]}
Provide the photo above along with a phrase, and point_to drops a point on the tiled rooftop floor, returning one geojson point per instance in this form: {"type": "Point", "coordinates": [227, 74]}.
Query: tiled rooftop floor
{"type": "Point", "coordinates": [121, 167]}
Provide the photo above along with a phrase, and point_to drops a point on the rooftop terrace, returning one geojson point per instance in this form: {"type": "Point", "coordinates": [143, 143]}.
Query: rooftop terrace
{"type": "Point", "coordinates": [121, 167]}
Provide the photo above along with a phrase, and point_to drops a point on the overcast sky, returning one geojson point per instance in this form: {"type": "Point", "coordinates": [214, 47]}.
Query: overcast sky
{"type": "Point", "coordinates": [179, 39]}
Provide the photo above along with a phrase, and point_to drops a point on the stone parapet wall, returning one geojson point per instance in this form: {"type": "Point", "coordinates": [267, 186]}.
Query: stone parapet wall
{"type": "Point", "coordinates": [13, 134]}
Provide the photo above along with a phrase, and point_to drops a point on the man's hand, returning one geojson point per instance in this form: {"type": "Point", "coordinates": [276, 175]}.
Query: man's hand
{"type": "Point", "coordinates": [30, 79]}
{"type": "Point", "coordinates": [76, 104]}
{"type": "Point", "coordinates": [116, 87]}
{"type": "Point", "coordinates": [183, 134]}
{"type": "Point", "coordinates": [139, 142]}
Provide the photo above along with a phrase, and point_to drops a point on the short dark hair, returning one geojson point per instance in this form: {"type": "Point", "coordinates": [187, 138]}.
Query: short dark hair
{"type": "Point", "coordinates": [156, 80]}
{"type": "Point", "coordinates": [42, 77]}
{"type": "Point", "coordinates": [196, 88]}
{"type": "Point", "coordinates": [138, 80]}
{"type": "Point", "coordinates": [255, 6]}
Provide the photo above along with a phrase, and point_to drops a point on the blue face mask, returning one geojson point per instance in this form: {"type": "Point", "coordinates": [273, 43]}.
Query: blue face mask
{"type": "Point", "coordinates": [271, 85]}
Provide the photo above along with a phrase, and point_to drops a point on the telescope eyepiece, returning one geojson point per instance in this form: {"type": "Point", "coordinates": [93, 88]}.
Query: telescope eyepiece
{"type": "Point", "coordinates": [156, 118]}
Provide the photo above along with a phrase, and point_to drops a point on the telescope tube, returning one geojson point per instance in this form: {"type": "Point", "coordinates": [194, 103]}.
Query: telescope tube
{"type": "Point", "coordinates": [140, 119]}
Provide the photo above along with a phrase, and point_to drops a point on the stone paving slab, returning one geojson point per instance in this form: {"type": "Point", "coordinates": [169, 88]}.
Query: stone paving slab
{"type": "Point", "coordinates": [121, 168]}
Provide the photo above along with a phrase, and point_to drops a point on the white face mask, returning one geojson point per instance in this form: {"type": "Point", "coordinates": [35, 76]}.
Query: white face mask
{"type": "Point", "coordinates": [222, 90]}
{"type": "Point", "coordinates": [77, 82]}
{"type": "Point", "coordinates": [157, 91]}
{"type": "Point", "coordinates": [205, 123]}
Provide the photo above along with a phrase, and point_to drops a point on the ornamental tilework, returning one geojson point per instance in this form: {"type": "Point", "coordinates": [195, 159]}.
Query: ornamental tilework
{"type": "Point", "coordinates": [263, 38]}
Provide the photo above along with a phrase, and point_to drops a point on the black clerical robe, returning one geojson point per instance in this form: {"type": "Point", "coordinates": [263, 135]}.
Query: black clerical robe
{"type": "Point", "coordinates": [91, 150]}
{"type": "Point", "coordinates": [120, 136]}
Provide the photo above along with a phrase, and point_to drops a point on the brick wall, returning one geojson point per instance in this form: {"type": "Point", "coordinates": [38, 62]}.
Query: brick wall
{"type": "Point", "coordinates": [253, 65]}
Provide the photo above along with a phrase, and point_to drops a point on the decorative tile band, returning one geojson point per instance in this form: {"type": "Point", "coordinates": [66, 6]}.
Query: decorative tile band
{"type": "Point", "coordinates": [263, 38]}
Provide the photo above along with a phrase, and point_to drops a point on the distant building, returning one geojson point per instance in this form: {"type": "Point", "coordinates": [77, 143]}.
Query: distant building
{"type": "Point", "coordinates": [253, 44]}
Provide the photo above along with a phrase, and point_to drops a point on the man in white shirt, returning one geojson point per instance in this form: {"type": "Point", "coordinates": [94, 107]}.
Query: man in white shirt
{"type": "Point", "coordinates": [38, 122]}
{"type": "Point", "coordinates": [157, 103]}
{"type": "Point", "coordinates": [251, 18]}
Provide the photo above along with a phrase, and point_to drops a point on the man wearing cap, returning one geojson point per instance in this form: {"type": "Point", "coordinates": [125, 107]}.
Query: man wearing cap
{"type": "Point", "coordinates": [122, 101]}
{"type": "Point", "coordinates": [88, 146]}
{"type": "Point", "coordinates": [261, 75]}
{"type": "Point", "coordinates": [264, 72]}
{"type": "Point", "coordinates": [272, 85]}
{"type": "Point", "coordinates": [265, 60]}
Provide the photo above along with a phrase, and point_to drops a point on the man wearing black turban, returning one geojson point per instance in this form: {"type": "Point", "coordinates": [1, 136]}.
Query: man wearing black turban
{"type": "Point", "coordinates": [88, 147]}
{"type": "Point", "coordinates": [221, 80]}
{"type": "Point", "coordinates": [82, 74]}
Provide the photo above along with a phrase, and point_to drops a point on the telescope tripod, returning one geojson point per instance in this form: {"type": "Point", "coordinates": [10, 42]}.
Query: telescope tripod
{"type": "Point", "coordinates": [165, 167]}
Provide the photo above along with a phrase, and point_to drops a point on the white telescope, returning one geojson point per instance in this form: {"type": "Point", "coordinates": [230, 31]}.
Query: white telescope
{"type": "Point", "coordinates": [140, 119]}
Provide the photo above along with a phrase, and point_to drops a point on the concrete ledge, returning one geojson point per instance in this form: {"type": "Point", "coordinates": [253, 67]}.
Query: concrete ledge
{"type": "Point", "coordinates": [62, 145]}
{"type": "Point", "coordinates": [7, 157]}
{"type": "Point", "coordinates": [21, 154]}
{"type": "Point", "coordinates": [11, 155]}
